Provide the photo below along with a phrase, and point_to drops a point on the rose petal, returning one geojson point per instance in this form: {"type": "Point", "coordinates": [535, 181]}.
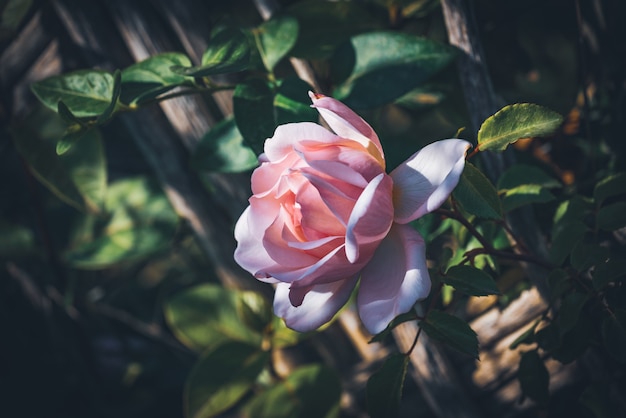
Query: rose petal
{"type": "Point", "coordinates": [250, 253]}
{"type": "Point", "coordinates": [347, 124]}
{"type": "Point", "coordinates": [288, 135]}
{"type": "Point", "coordinates": [424, 181]}
{"type": "Point", "coordinates": [394, 279]}
{"type": "Point", "coordinates": [317, 307]}
{"type": "Point", "coordinates": [371, 216]}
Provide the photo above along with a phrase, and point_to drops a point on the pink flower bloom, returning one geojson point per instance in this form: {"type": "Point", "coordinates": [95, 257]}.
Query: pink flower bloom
{"type": "Point", "coordinates": [324, 213]}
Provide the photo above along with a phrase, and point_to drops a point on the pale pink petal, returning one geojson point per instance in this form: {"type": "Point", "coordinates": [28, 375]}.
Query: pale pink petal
{"type": "Point", "coordinates": [250, 253]}
{"type": "Point", "coordinates": [394, 279]}
{"type": "Point", "coordinates": [371, 216]}
{"type": "Point", "coordinates": [288, 135]}
{"type": "Point", "coordinates": [277, 247]}
{"type": "Point", "coordinates": [317, 307]}
{"type": "Point", "coordinates": [424, 181]}
{"type": "Point", "coordinates": [347, 124]}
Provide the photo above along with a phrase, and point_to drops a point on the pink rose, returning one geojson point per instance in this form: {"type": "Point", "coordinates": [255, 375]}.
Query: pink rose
{"type": "Point", "coordinates": [324, 213]}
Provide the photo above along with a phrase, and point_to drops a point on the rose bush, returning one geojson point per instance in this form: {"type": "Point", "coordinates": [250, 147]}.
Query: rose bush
{"type": "Point", "coordinates": [324, 214]}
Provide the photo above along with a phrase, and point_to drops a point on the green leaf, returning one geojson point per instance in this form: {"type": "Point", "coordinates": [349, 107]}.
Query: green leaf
{"type": "Point", "coordinates": [471, 281]}
{"type": "Point", "coordinates": [612, 217]}
{"type": "Point", "coordinates": [527, 337]}
{"type": "Point", "coordinates": [78, 177]}
{"type": "Point", "coordinates": [341, 20]}
{"type": "Point", "coordinates": [524, 195]}
{"type": "Point", "coordinates": [308, 392]}
{"type": "Point", "coordinates": [584, 256]}
{"type": "Point", "coordinates": [521, 174]}
{"type": "Point", "coordinates": [275, 38]}
{"type": "Point", "coordinates": [451, 331]}
{"type": "Point", "coordinates": [575, 342]}
{"type": "Point", "coordinates": [254, 310]}
{"type": "Point", "coordinates": [424, 97]}
{"type": "Point", "coordinates": [282, 336]}
{"type": "Point", "coordinates": [222, 150]}
{"type": "Point", "coordinates": [115, 96]}
{"type": "Point", "coordinates": [534, 377]}
{"type": "Point", "coordinates": [140, 223]}
{"type": "Point", "coordinates": [222, 377]}
{"type": "Point", "coordinates": [13, 13]}
{"type": "Point", "coordinates": [228, 51]}
{"type": "Point", "coordinates": [253, 107]}
{"type": "Point", "coordinates": [476, 194]}
{"type": "Point", "coordinates": [204, 316]}
{"type": "Point", "coordinates": [558, 284]}
{"type": "Point", "coordinates": [16, 240]}
{"type": "Point", "coordinates": [613, 185]}
{"type": "Point", "coordinates": [152, 77]}
{"type": "Point", "coordinates": [614, 334]}
{"type": "Point", "coordinates": [514, 122]}
{"type": "Point", "coordinates": [86, 93]}
{"type": "Point", "coordinates": [382, 66]}
{"type": "Point", "coordinates": [564, 240]}
{"type": "Point", "coordinates": [608, 272]}
{"type": "Point", "coordinates": [292, 103]}
{"type": "Point", "coordinates": [571, 308]}
{"type": "Point", "coordinates": [384, 388]}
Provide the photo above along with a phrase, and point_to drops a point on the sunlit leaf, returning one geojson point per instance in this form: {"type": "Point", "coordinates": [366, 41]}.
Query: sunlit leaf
{"type": "Point", "coordinates": [613, 185]}
{"type": "Point", "coordinates": [308, 392]}
{"type": "Point", "coordinates": [534, 378]}
{"type": "Point", "coordinates": [204, 316]}
{"type": "Point", "coordinates": [222, 150]}
{"type": "Point", "coordinates": [222, 377]}
{"type": "Point", "coordinates": [452, 331]}
{"type": "Point", "coordinates": [140, 223]}
{"type": "Point", "coordinates": [384, 388]}
{"type": "Point", "coordinates": [516, 121]}
{"type": "Point", "coordinates": [275, 38]}
{"type": "Point", "coordinates": [152, 77]}
{"type": "Point", "coordinates": [471, 281]}
{"type": "Point", "coordinates": [285, 337]}
{"type": "Point", "coordinates": [476, 194]}
{"type": "Point", "coordinates": [86, 92]}
{"type": "Point", "coordinates": [78, 177]}
{"type": "Point", "coordinates": [524, 195]}
{"type": "Point", "coordinates": [253, 106]}
{"type": "Point", "coordinates": [228, 51]}
{"type": "Point", "coordinates": [380, 67]}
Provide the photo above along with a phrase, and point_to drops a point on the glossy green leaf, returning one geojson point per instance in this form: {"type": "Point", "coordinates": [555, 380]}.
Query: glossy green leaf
{"type": "Point", "coordinates": [71, 136]}
{"type": "Point", "coordinates": [140, 223]}
{"type": "Point", "coordinates": [78, 177]}
{"type": "Point", "coordinates": [534, 377]}
{"type": "Point", "coordinates": [222, 377]}
{"type": "Point", "coordinates": [452, 331]}
{"type": "Point", "coordinates": [228, 51]}
{"type": "Point", "coordinates": [308, 392]}
{"type": "Point", "coordinates": [614, 334]}
{"type": "Point", "coordinates": [476, 194]}
{"type": "Point", "coordinates": [275, 38]}
{"type": "Point", "coordinates": [471, 281]}
{"type": "Point", "coordinates": [514, 122]}
{"type": "Point", "coordinates": [253, 107]}
{"type": "Point", "coordinates": [612, 217]}
{"type": "Point", "coordinates": [222, 150]}
{"type": "Point", "coordinates": [254, 310]}
{"type": "Point", "coordinates": [323, 25]}
{"type": "Point", "coordinates": [613, 185]}
{"type": "Point", "coordinates": [204, 316]}
{"type": "Point", "coordinates": [152, 77]}
{"type": "Point", "coordinates": [564, 239]}
{"type": "Point", "coordinates": [114, 100]}
{"type": "Point", "coordinates": [384, 388]}
{"type": "Point", "coordinates": [86, 93]}
{"type": "Point", "coordinates": [383, 66]}
{"type": "Point", "coordinates": [292, 103]}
